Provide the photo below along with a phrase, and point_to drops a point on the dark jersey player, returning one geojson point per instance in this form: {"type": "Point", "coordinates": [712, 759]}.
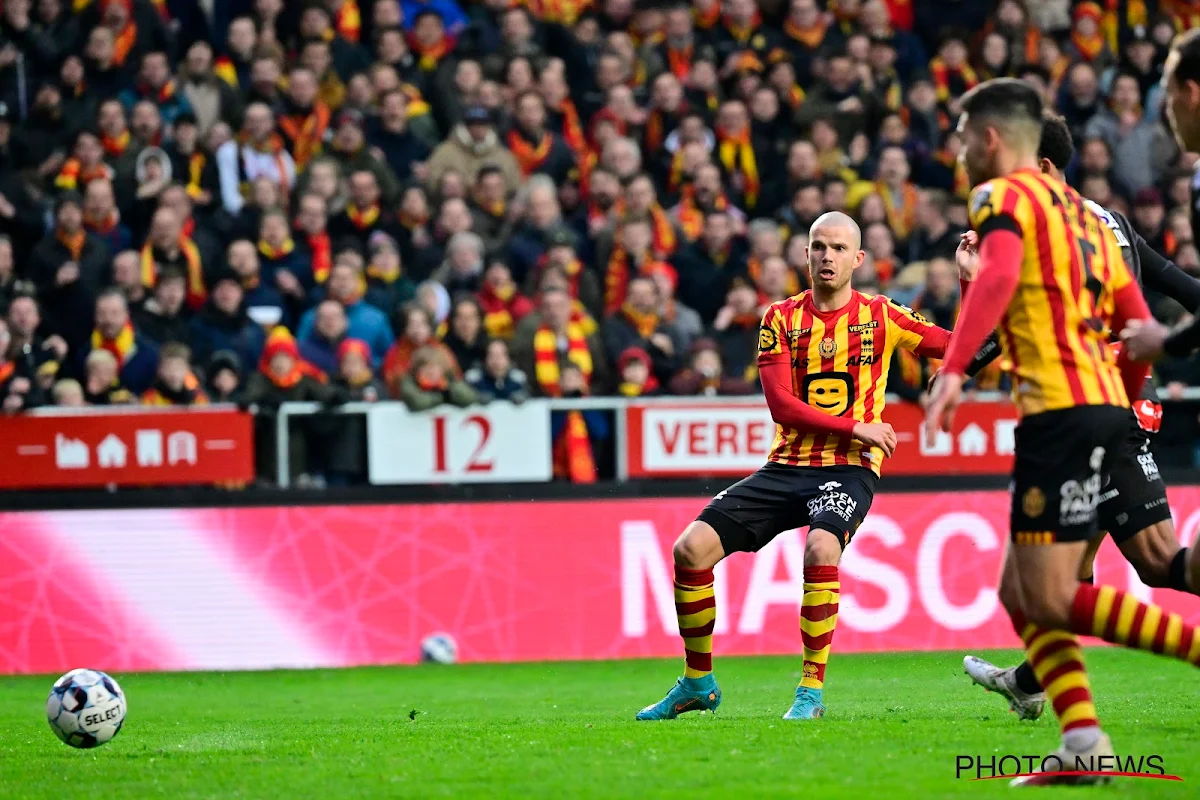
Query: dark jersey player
{"type": "Point", "coordinates": [1181, 80]}
{"type": "Point", "coordinates": [1133, 502]}
{"type": "Point", "coordinates": [823, 358]}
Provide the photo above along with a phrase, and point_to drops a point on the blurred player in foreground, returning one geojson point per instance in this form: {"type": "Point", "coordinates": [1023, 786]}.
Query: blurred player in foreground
{"type": "Point", "coordinates": [823, 360]}
{"type": "Point", "coordinates": [1053, 282]}
{"type": "Point", "coordinates": [1133, 504]}
{"type": "Point", "coordinates": [1151, 340]}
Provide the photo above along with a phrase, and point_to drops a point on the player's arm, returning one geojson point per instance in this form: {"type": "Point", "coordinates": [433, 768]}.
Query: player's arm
{"type": "Point", "coordinates": [913, 332]}
{"type": "Point", "coordinates": [1163, 275]}
{"type": "Point", "coordinates": [1128, 305]}
{"type": "Point", "coordinates": [1000, 253]}
{"type": "Point", "coordinates": [788, 410]}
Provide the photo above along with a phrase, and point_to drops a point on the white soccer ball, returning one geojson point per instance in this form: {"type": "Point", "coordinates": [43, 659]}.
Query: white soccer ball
{"type": "Point", "coordinates": [85, 708]}
{"type": "Point", "coordinates": [439, 648]}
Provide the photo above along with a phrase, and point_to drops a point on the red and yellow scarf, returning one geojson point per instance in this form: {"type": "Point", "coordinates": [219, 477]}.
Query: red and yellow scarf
{"type": "Point", "coordinates": [196, 163]}
{"type": "Point", "coordinates": [123, 346]}
{"type": "Point", "coordinates": [74, 176]}
{"type": "Point", "coordinates": [810, 38]}
{"type": "Point", "coordinates": [742, 33]}
{"type": "Point", "coordinates": [362, 218]}
{"type": "Point", "coordinates": [306, 132]}
{"type": "Point", "coordinates": [115, 146]}
{"type": "Point", "coordinates": [1091, 46]}
{"type": "Point", "coordinates": [197, 293]}
{"type": "Point", "coordinates": [503, 307]}
{"type": "Point", "coordinates": [271, 253]}
{"type": "Point", "coordinates": [616, 277]}
{"type": "Point", "coordinates": [347, 21]}
{"type": "Point", "coordinates": [573, 457]}
{"type": "Point", "coordinates": [73, 242]}
{"type": "Point", "coordinates": [225, 69]}
{"type": "Point", "coordinates": [124, 41]}
{"type": "Point", "coordinates": [529, 157]}
{"type": "Point", "coordinates": [572, 127]}
{"type": "Point", "coordinates": [644, 324]}
{"type": "Point", "coordinates": [903, 217]}
{"type": "Point", "coordinates": [680, 61]}
{"type": "Point", "coordinates": [951, 82]}
{"type": "Point", "coordinates": [429, 56]}
{"type": "Point", "coordinates": [737, 155]}
{"type": "Point", "coordinates": [322, 256]}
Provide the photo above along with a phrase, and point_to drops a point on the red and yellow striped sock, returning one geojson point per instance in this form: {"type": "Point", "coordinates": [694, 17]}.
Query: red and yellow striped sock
{"type": "Point", "coordinates": [696, 607]}
{"type": "Point", "coordinates": [1121, 618]}
{"type": "Point", "coordinates": [1057, 660]}
{"type": "Point", "coordinates": [818, 618]}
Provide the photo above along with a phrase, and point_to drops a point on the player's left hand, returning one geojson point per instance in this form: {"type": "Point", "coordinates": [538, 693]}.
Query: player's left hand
{"type": "Point", "coordinates": [943, 401]}
{"type": "Point", "coordinates": [1143, 339]}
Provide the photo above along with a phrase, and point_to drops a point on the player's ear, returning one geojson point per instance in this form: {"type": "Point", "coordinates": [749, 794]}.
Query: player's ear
{"type": "Point", "coordinates": [859, 258]}
{"type": "Point", "coordinates": [1046, 165]}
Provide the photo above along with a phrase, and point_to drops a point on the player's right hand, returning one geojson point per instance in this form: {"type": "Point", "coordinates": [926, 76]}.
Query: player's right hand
{"type": "Point", "coordinates": [967, 256]}
{"type": "Point", "coordinates": [876, 434]}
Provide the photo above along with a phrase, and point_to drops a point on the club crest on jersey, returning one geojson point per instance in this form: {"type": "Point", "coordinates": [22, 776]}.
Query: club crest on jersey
{"type": "Point", "coordinates": [827, 348]}
{"type": "Point", "coordinates": [1033, 503]}
{"type": "Point", "coordinates": [767, 339]}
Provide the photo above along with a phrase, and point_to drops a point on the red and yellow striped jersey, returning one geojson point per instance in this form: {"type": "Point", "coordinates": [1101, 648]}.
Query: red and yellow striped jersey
{"type": "Point", "coordinates": [1056, 330]}
{"type": "Point", "coordinates": [840, 362]}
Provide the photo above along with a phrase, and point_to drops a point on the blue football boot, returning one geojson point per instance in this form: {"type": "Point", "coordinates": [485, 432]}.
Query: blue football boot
{"type": "Point", "coordinates": [688, 694]}
{"type": "Point", "coordinates": [807, 705]}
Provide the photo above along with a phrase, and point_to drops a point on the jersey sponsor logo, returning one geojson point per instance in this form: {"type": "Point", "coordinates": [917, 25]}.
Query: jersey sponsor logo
{"type": "Point", "coordinates": [1078, 501]}
{"type": "Point", "coordinates": [1149, 467]}
{"type": "Point", "coordinates": [827, 348]}
{"type": "Point", "coordinates": [1034, 502]}
{"type": "Point", "coordinates": [794, 335]}
{"type": "Point", "coordinates": [862, 360]}
{"type": "Point", "coordinates": [829, 485]}
{"type": "Point", "coordinates": [831, 392]}
{"type": "Point", "coordinates": [767, 339]}
{"type": "Point", "coordinates": [864, 326]}
{"type": "Point", "coordinates": [838, 503]}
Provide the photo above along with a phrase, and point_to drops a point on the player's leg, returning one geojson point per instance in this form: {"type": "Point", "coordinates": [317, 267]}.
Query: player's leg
{"type": "Point", "coordinates": [838, 505]}
{"type": "Point", "coordinates": [697, 550]}
{"type": "Point", "coordinates": [741, 518]}
{"type": "Point", "coordinates": [1087, 563]}
{"type": "Point", "coordinates": [1134, 509]}
{"type": "Point", "coordinates": [1018, 685]}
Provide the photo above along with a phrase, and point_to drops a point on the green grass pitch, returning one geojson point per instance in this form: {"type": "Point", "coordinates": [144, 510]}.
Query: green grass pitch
{"type": "Point", "coordinates": [895, 724]}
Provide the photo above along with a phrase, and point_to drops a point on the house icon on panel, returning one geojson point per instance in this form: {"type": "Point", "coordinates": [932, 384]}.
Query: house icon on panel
{"type": "Point", "coordinates": [111, 452]}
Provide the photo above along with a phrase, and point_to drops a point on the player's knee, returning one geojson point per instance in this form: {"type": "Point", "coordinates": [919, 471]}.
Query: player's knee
{"type": "Point", "coordinates": [821, 549]}
{"type": "Point", "coordinates": [698, 547]}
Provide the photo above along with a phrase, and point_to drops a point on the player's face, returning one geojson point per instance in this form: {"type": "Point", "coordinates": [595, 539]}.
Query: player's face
{"type": "Point", "coordinates": [1183, 106]}
{"type": "Point", "coordinates": [974, 155]}
{"type": "Point", "coordinates": [833, 255]}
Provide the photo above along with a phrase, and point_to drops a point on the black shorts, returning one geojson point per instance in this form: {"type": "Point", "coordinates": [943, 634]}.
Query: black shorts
{"type": "Point", "coordinates": [1056, 480]}
{"type": "Point", "coordinates": [1133, 496]}
{"type": "Point", "coordinates": [778, 498]}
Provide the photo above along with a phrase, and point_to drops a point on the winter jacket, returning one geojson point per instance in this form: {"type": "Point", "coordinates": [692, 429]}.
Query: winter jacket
{"type": "Point", "coordinates": [461, 153]}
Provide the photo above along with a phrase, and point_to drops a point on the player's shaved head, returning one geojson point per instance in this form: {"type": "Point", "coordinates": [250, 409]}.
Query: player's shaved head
{"type": "Point", "coordinates": [1057, 147]}
{"type": "Point", "coordinates": [836, 219]}
{"type": "Point", "coordinates": [834, 251]}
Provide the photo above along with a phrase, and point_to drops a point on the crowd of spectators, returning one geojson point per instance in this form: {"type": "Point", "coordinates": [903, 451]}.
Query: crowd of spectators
{"type": "Point", "coordinates": [458, 202]}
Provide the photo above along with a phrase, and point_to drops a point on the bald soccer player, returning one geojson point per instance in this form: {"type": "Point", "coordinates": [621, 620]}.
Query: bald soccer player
{"type": "Point", "coordinates": [823, 359]}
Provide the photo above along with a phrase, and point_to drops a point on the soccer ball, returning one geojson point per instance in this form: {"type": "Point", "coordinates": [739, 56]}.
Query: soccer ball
{"type": "Point", "coordinates": [85, 708]}
{"type": "Point", "coordinates": [439, 648]}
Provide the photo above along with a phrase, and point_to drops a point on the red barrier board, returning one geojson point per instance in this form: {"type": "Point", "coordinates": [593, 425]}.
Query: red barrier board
{"type": "Point", "coordinates": [326, 586]}
{"type": "Point", "coordinates": [680, 441]}
{"type": "Point", "coordinates": [126, 448]}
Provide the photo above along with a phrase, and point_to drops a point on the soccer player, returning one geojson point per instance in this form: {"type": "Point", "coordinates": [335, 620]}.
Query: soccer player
{"type": "Point", "coordinates": [1053, 282]}
{"type": "Point", "coordinates": [1133, 505]}
{"type": "Point", "coordinates": [1181, 79]}
{"type": "Point", "coordinates": [823, 361]}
